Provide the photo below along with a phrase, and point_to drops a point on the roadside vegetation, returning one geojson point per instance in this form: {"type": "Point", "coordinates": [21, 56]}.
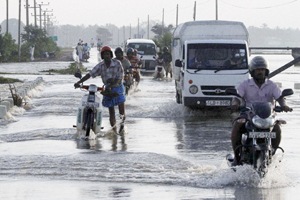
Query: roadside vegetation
{"type": "Point", "coordinates": [32, 37]}
{"type": "Point", "coordinates": [4, 80]}
{"type": "Point", "coordinates": [71, 69]}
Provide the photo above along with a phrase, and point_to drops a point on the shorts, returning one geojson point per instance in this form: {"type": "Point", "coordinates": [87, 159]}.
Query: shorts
{"type": "Point", "coordinates": [114, 101]}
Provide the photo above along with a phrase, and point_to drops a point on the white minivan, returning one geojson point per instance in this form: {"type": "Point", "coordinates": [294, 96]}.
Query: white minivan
{"type": "Point", "coordinates": [147, 50]}
{"type": "Point", "coordinates": [210, 56]}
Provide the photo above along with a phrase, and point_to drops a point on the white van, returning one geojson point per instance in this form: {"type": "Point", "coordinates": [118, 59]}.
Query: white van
{"type": "Point", "coordinates": [147, 51]}
{"type": "Point", "coordinates": [222, 61]}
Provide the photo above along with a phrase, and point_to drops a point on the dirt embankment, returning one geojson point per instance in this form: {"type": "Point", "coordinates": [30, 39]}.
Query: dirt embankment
{"type": "Point", "coordinates": [66, 54]}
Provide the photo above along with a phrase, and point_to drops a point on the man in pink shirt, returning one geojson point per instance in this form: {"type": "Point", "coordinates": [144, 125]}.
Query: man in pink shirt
{"type": "Point", "coordinates": [256, 89]}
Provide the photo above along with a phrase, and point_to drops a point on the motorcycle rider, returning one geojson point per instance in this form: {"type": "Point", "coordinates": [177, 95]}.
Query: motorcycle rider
{"type": "Point", "coordinates": [128, 77]}
{"type": "Point", "coordinates": [159, 68]}
{"type": "Point", "coordinates": [257, 89]}
{"type": "Point", "coordinates": [120, 56]}
{"type": "Point", "coordinates": [111, 72]}
{"type": "Point", "coordinates": [135, 62]}
{"type": "Point", "coordinates": [167, 57]}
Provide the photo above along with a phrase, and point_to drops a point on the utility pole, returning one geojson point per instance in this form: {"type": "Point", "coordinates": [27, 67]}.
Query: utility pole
{"type": "Point", "coordinates": [35, 24]}
{"type": "Point", "coordinates": [177, 15]}
{"type": "Point", "coordinates": [162, 22]}
{"type": "Point", "coordinates": [148, 29]}
{"type": "Point", "coordinates": [19, 32]}
{"type": "Point", "coordinates": [194, 15]}
{"type": "Point", "coordinates": [34, 7]}
{"type": "Point", "coordinates": [27, 13]}
{"type": "Point", "coordinates": [46, 18]}
{"type": "Point", "coordinates": [6, 16]}
{"type": "Point", "coordinates": [40, 7]}
{"type": "Point", "coordinates": [138, 29]}
{"type": "Point", "coordinates": [216, 9]}
{"type": "Point", "coordinates": [124, 39]}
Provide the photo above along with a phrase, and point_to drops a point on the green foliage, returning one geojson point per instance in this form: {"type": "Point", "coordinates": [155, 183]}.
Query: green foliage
{"type": "Point", "coordinates": [163, 37]}
{"type": "Point", "coordinates": [38, 38]}
{"type": "Point", "coordinates": [72, 68]}
{"type": "Point", "coordinates": [104, 34]}
{"type": "Point", "coordinates": [4, 80]}
{"type": "Point", "coordinates": [8, 48]}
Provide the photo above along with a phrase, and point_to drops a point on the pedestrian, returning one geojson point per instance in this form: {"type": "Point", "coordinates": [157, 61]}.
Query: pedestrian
{"type": "Point", "coordinates": [111, 72]}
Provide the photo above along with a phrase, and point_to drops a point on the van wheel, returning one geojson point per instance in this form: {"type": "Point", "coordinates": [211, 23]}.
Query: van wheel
{"type": "Point", "coordinates": [178, 98]}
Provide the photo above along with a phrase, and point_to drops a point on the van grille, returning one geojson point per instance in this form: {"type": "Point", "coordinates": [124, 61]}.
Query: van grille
{"type": "Point", "coordinates": [215, 90]}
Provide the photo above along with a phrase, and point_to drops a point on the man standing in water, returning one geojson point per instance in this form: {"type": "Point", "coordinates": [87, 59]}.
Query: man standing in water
{"type": "Point", "coordinates": [111, 72]}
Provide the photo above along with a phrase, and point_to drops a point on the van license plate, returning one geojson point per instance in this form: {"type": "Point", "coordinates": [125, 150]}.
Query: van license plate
{"type": "Point", "coordinates": [262, 135]}
{"type": "Point", "coordinates": [217, 102]}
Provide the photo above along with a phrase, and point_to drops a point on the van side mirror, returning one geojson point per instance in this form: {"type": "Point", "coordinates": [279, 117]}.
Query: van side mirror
{"type": "Point", "coordinates": [178, 63]}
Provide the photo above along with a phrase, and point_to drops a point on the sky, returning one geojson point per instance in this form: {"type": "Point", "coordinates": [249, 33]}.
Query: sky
{"type": "Point", "coordinates": [273, 13]}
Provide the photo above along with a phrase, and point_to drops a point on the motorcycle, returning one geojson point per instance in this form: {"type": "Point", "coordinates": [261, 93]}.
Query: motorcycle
{"type": "Point", "coordinates": [260, 118]}
{"type": "Point", "coordinates": [86, 56]}
{"type": "Point", "coordinates": [128, 81]}
{"type": "Point", "coordinates": [159, 73]}
{"type": "Point", "coordinates": [89, 112]}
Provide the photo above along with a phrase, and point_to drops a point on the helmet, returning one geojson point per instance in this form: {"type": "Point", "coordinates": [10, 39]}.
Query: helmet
{"type": "Point", "coordinates": [118, 50]}
{"type": "Point", "coordinates": [165, 49]}
{"type": "Point", "coordinates": [258, 62]}
{"type": "Point", "coordinates": [130, 51]}
{"type": "Point", "coordinates": [106, 48]}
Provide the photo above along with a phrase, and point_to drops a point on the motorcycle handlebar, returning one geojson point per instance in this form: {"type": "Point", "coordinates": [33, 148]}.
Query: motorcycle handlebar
{"type": "Point", "coordinates": [86, 87]}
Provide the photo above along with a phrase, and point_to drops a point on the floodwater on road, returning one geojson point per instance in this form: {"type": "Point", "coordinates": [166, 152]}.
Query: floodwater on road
{"type": "Point", "coordinates": [170, 152]}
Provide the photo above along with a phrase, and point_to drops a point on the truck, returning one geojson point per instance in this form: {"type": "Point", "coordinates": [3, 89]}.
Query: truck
{"type": "Point", "coordinates": [210, 56]}
{"type": "Point", "coordinates": [147, 50]}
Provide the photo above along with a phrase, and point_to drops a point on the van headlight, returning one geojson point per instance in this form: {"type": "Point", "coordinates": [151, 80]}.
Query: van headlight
{"type": "Point", "coordinates": [193, 89]}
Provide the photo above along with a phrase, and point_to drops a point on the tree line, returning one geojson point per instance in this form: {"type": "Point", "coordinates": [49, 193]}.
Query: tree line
{"type": "Point", "coordinates": [69, 35]}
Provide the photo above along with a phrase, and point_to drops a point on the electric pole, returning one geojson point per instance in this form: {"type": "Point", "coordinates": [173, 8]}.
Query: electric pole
{"type": "Point", "coordinates": [19, 33]}
{"type": "Point", "coordinates": [6, 16]}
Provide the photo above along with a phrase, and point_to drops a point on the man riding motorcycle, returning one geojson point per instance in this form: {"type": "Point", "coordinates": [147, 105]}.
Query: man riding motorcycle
{"type": "Point", "coordinates": [135, 64]}
{"type": "Point", "coordinates": [257, 89]}
{"type": "Point", "coordinates": [167, 58]}
{"type": "Point", "coordinates": [128, 76]}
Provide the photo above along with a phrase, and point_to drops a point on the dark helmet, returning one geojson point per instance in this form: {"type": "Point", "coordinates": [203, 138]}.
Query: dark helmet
{"type": "Point", "coordinates": [118, 50]}
{"type": "Point", "coordinates": [130, 51]}
{"type": "Point", "coordinates": [106, 48]}
{"type": "Point", "coordinates": [258, 62]}
{"type": "Point", "coordinates": [165, 49]}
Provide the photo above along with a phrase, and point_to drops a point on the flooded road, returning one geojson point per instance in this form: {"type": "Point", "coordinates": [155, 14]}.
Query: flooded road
{"type": "Point", "coordinates": [170, 152]}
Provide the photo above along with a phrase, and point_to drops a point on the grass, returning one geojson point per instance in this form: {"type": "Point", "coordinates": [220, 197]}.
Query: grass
{"type": "Point", "coordinates": [4, 80]}
{"type": "Point", "coordinates": [71, 69]}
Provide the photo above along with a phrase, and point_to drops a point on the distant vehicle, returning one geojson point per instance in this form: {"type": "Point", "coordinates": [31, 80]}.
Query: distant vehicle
{"type": "Point", "coordinates": [210, 56]}
{"type": "Point", "coordinates": [147, 50]}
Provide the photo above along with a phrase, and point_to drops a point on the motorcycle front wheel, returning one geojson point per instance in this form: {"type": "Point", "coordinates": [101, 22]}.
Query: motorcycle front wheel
{"type": "Point", "coordinates": [262, 163]}
{"type": "Point", "coordinates": [89, 122]}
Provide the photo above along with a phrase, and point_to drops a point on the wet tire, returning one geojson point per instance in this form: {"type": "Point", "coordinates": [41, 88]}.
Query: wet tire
{"type": "Point", "coordinates": [89, 122]}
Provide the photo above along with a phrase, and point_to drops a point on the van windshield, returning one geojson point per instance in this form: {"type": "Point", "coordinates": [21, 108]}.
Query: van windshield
{"type": "Point", "coordinates": [216, 56]}
{"type": "Point", "coordinates": [143, 48]}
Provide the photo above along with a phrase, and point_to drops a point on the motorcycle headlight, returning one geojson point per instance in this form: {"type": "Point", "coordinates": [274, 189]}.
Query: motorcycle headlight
{"type": "Point", "coordinates": [193, 89]}
{"type": "Point", "coordinates": [92, 88]}
{"type": "Point", "coordinates": [263, 123]}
